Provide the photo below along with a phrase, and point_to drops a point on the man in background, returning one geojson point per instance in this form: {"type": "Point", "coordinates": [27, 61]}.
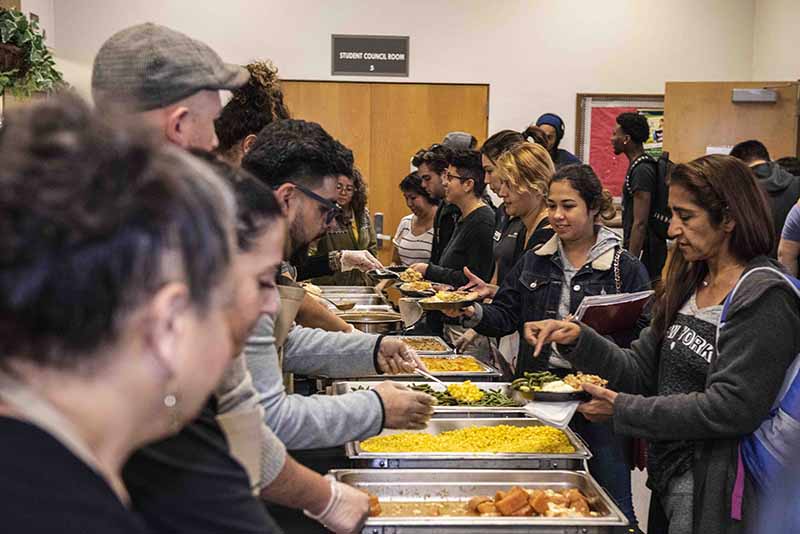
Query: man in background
{"type": "Point", "coordinates": [781, 187]}
{"type": "Point", "coordinates": [554, 129]}
{"type": "Point", "coordinates": [432, 164]}
{"type": "Point", "coordinates": [638, 193]}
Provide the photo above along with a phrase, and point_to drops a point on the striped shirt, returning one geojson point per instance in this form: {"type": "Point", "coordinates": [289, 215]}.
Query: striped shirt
{"type": "Point", "coordinates": [412, 248]}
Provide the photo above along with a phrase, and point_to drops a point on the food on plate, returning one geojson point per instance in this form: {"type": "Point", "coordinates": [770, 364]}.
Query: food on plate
{"type": "Point", "coordinates": [312, 288]}
{"type": "Point", "coordinates": [517, 502]}
{"type": "Point", "coordinates": [466, 392]}
{"type": "Point", "coordinates": [451, 365]}
{"type": "Point", "coordinates": [579, 378]}
{"type": "Point", "coordinates": [476, 439]}
{"type": "Point", "coordinates": [374, 505]}
{"type": "Point", "coordinates": [451, 296]}
{"type": "Point", "coordinates": [410, 275]}
{"type": "Point", "coordinates": [420, 285]}
{"type": "Point", "coordinates": [557, 386]}
{"type": "Point", "coordinates": [425, 344]}
{"type": "Point", "coordinates": [494, 398]}
{"type": "Point", "coordinates": [533, 381]}
{"type": "Point", "coordinates": [546, 381]}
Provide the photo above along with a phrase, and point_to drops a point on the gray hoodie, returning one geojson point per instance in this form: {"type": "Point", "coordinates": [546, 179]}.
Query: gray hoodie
{"type": "Point", "coordinates": [758, 343]}
{"type": "Point", "coordinates": [317, 421]}
{"type": "Point", "coordinates": [782, 189]}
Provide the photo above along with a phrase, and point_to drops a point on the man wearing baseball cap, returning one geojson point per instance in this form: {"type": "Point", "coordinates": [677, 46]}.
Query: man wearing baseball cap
{"type": "Point", "coordinates": [553, 126]}
{"type": "Point", "coordinates": [168, 77]}
{"type": "Point", "coordinates": [190, 482]}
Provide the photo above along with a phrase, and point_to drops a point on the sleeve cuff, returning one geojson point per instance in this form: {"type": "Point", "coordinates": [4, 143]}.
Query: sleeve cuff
{"type": "Point", "coordinates": [475, 320]}
{"type": "Point", "coordinates": [383, 410]}
{"type": "Point", "coordinates": [375, 352]}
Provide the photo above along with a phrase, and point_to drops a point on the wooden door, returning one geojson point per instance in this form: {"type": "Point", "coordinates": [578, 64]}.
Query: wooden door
{"type": "Point", "coordinates": [701, 114]}
{"type": "Point", "coordinates": [385, 124]}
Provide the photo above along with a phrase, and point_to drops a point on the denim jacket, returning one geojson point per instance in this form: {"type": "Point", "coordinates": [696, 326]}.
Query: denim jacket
{"type": "Point", "coordinates": [532, 292]}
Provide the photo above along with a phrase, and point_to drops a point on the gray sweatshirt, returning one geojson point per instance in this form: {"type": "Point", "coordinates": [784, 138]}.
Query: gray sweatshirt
{"type": "Point", "coordinates": [758, 343]}
{"type": "Point", "coordinates": [319, 420]}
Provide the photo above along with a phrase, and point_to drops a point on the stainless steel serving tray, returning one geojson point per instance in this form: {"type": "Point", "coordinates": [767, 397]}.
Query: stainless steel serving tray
{"type": "Point", "coordinates": [348, 290]}
{"type": "Point", "coordinates": [462, 484]}
{"type": "Point", "coordinates": [465, 460]}
{"type": "Point", "coordinates": [356, 298]}
{"type": "Point", "coordinates": [487, 373]}
{"type": "Point", "coordinates": [437, 339]}
{"type": "Point", "coordinates": [340, 388]}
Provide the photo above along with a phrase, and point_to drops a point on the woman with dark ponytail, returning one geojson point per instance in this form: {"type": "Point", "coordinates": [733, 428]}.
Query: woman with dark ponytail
{"type": "Point", "coordinates": [582, 258]}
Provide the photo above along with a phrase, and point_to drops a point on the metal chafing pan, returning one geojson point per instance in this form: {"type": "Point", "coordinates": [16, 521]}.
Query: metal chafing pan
{"type": "Point", "coordinates": [356, 298]}
{"type": "Point", "coordinates": [340, 388]}
{"type": "Point", "coordinates": [348, 290]}
{"type": "Point", "coordinates": [399, 485]}
{"type": "Point", "coordinates": [464, 460]}
{"type": "Point", "coordinates": [445, 347]}
{"type": "Point", "coordinates": [487, 373]}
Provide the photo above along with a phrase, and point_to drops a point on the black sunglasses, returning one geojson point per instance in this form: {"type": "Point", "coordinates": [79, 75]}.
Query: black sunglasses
{"type": "Point", "coordinates": [332, 208]}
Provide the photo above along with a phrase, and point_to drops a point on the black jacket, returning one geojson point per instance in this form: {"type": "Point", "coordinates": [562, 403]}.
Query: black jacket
{"type": "Point", "coordinates": [532, 292]}
{"type": "Point", "coordinates": [444, 224]}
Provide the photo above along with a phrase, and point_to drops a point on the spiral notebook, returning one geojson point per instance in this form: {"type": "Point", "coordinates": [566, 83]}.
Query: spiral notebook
{"type": "Point", "coordinates": [608, 314]}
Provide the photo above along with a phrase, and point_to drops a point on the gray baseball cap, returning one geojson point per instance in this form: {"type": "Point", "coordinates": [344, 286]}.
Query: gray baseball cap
{"type": "Point", "coordinates": [150, 66]}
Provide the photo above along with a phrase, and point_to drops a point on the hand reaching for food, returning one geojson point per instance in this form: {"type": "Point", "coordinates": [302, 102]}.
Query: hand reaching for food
{"type": "Point", "coordinates": [537, 333]}
{"type": "Point", "coordinates": [476, 284]}
{"type": "Point", "coordinates": [359, 259]}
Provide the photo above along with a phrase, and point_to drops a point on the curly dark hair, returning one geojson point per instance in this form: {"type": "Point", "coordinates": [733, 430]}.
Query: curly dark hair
{"type": "Point", "coordinates": [358, 204]}
{"type": "Point", "coordinates": [253, 106]}
{"type": "Point", "coordinates": [436, 156]}
{"type": "Point", "coordinates": [89, 212]}
{"type": "Point", "coordinates": [298, 151]}
{"type": "Point", "coordinates": [635, 125]}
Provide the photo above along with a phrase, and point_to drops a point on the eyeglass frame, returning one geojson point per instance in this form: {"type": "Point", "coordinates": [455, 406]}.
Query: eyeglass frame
{"type": "Point", "coordinates": [345, 188]}
{"type": "Point", "coordinates": [457, 177]}
{"type": "Point", "coordinates": [332, 208]}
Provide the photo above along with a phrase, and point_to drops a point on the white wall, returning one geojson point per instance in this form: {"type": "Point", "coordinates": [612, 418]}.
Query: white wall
{"type": "Point", "coordinates": [47, 17]}
{"type": "Point", "coordinates": [776, 40]}
{"type": "Point", "coordinates": [535, 54]}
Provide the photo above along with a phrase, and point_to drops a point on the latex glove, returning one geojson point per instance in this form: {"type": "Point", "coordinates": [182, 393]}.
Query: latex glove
{"type": "Point", "coordinates": [404, 407]}
{"type": "Point", "coordinates": [359, 259]}
{"type": "Point", "coordinates": [465, 340]}
{"type": "Point", "coordinates": [476, 284]}
{"type": "Point", "coordinates": [347, 510]}
{"type": "Point", "coordinates": [395, 357]}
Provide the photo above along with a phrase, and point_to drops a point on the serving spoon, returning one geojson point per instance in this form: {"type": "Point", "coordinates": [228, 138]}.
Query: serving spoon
{"type": "Point", "coordinates": [341, 306]}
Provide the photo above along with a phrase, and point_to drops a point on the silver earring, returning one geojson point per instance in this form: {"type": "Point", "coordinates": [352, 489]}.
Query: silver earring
{"type": "Point", "coordinates": [170, 400]}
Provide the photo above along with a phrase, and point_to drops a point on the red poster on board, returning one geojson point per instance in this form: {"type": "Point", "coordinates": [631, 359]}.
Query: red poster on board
{"type": "Point", "coordinates": [609, 167]}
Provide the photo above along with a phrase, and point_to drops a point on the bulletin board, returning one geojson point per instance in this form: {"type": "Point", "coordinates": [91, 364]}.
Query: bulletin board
{"type": "Point", "coordinates": [596, 115]}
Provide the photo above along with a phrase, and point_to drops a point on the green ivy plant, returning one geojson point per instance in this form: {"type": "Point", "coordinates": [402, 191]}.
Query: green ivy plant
{"type": "Point", "coordinates": [41, 75]}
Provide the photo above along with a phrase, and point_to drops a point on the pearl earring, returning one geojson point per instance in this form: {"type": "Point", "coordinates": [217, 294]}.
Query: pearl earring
{"type": "Point", "coordinates": [170, 400]}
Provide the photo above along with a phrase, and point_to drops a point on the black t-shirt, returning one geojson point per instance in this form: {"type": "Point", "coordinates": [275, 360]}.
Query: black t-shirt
{"type": "Point", "coordinates": [643, 177]}
{"type": "Point", "coordinates": [189, 483]}
{"type": "Point", "coordinates": [46, 489]}
{"type": "Point", "coordinates": [505, 245]}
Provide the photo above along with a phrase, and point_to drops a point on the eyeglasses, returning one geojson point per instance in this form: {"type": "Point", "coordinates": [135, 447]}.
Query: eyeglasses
{"type": "Point", "coordinates": [457, 177]}
{"type": "Point", "coordinates": [345, 188]}
{"type": "Point", "coordinates": [332, 209]}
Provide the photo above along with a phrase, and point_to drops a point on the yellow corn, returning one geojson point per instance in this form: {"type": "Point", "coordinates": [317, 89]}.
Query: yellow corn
{"type": "Point", "coordinates": [465, 392]}
{"type": "Point", "coordinates": [500, 438]}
